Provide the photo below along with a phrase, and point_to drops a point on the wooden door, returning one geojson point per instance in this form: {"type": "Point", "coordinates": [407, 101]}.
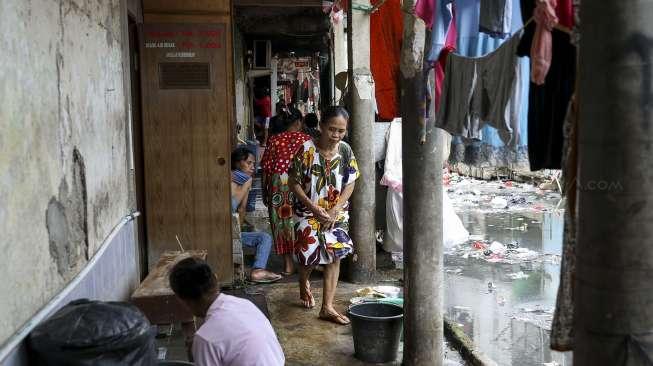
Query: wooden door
{"type": "Point", "coordinates": [187, 140]}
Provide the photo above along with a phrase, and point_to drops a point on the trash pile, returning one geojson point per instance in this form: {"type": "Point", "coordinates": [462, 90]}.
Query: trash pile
{"type": "Point", "coordinates": [540, 316]}
{"type": "Point", "coordinates": [495, 252]}
{"type": "Point", "coordinates": [466, 193]}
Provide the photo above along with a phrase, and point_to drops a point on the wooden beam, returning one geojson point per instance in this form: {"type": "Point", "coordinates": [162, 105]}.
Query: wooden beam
{"type": "Point", "coordinates": [187, 7]}
{"type": "Point", "coordinates": [278, 3]}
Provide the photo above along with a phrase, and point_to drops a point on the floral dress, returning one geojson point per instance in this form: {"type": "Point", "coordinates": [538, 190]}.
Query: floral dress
{"type": "Point", "coordinates": [279, 199]}
{"type": "Point", "coordinates": [322, 180]}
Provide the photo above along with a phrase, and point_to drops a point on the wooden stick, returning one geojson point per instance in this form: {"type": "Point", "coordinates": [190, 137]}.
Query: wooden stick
{"type": "Point", "coordinates": [179, 242]}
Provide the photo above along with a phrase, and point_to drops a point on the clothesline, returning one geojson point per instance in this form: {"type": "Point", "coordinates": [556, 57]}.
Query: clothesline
{"type": "Point", "coordinates": [559, 27]}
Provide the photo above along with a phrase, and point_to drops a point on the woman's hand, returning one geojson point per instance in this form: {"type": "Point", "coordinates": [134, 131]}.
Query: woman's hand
{"type": "Point", "coordinates": [321, 214]}
{"type": "Point", "coordinates": [333, 218]}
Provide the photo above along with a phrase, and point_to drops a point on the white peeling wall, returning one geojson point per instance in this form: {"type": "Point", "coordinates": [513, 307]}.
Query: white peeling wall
{"type": "Point", "coordinates": [63, 158]}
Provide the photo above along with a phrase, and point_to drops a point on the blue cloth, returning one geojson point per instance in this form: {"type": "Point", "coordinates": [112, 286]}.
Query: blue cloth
{"type": "Point", "coordinates": [263, 244]}
{"type": "Point", "coordinates": [442, 15]}
{"type": "Point", "coordinates": [239, 177]}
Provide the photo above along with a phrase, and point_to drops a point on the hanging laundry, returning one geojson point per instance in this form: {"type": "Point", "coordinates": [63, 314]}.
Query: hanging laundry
{"type": "Point", "coordinates": [442, 19]}
{"type": "Point", "coordinates": [424, 10]}
{"type": "Point", "coordinates": [304, 90]}
{"type": "Point", "coordinates": [464, 15]}
{"type": "Point", "coordinates": [541, 49]}
{"type": "Point", "coordinates": [453, 232]}
{"type": "Point", "coordinates": [548, 102]}
{"type": "Point", "coordinates": [562, 325]}
{"type": "Point", "coordinates": [449, 47]}
{"type": "Point", "coordinates": [565, 13]}
{"type": "Point", "coordinates": [478, 91]}
{"type": "Point", "coordinates": [496, 18]}
{"type": "Point", "coordinates": [386, 32]}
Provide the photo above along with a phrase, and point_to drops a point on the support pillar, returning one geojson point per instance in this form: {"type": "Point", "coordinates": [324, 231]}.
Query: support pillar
{"type": "Point", "coordinates": [613, 299]}
{"type": "Point", "coordinates": [422, 173]}
{"type": "Point", "coordinates": [274, 62]}
{"type": "Point", "coordinates": [363, 263]}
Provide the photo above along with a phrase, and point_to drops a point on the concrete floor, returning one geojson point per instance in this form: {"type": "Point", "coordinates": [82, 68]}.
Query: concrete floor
{"type": "Point", "coordinates": [306, 340]}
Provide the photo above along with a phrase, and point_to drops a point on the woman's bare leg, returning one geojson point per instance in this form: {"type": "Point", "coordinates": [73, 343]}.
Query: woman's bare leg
{"type": "Point", "coordinates": [328, 311]}
{"type": "Point", "coordinates": [305, 286]}
{"type": "Point", "coordinates": [289, 265]}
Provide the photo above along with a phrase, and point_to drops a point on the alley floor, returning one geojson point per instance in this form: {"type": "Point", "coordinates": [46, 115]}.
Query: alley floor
{"type": "Point", "coordinates": [305, 339]}
{"type": "Point", "coordinates": [502, 298]}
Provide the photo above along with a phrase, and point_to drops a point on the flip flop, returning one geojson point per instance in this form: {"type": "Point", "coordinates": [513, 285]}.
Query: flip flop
{"type": "Point", "coordinates": [288, 273]}
{"type": "Point", "coordinates": [266, 280]}
{"type": "Point", "coordinates": [334, 318]}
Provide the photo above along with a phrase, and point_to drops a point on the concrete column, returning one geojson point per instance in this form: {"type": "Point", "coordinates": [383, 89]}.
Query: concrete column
{"type": "Point", "coordinates": [340, 62]}
{"type": "Point", "coordinates": [422, 172]}
{"type": "Point", "coordinates": [273, 84]}
{"type": "Point", "coordinates": [613, 299]}
{"type": "Point", "coordinates": [363, 264]}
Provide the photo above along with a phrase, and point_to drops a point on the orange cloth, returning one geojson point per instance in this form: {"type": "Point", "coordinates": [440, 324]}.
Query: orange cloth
{"type": "Point", "coordinates": [386, 32]}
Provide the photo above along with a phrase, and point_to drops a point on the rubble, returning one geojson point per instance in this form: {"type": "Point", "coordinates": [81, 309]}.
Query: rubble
{"type": "Point", "coordinates": [496, 252]}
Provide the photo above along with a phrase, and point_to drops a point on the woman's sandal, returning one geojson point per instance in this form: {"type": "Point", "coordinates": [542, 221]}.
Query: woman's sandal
{"type": "Point", "coordinates": [334, 318]}
{"type": "Point", "coordinates": [266, 279]}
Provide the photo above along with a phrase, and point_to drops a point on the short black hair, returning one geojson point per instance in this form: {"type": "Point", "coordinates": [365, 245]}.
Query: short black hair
{"type": "Point", "coordinates": [333, 112]}
{"type": "Point", "coordinates": [191, 278]}
{"type": "Point", "coordinates": [240, 154]}
{"type": "Point", "coordinates": [310, 120]}
{"type": "Point", "coordinates": [291, 117]}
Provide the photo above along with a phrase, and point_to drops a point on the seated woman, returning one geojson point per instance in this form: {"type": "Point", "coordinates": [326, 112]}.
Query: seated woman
{"type": "Point", "coordinates": [242, 164]}
{"type": "Point", "coordinates": [322, 178]}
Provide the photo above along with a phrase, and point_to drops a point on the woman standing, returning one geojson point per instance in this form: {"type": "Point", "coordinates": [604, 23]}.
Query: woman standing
{"type": "Point", "coordinates": [322, 177]}
{"type": "Point", "coordinates": [277, 195]}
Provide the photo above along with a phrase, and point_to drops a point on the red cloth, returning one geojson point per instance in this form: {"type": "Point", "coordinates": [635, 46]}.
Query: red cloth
{"type": "Point", "coordinates": [565, 13]}
{"type": "Point", "coordinates": [424, 10]}
{"type": "Point", "coordinates": [449, 46]}
{"type": "Point", "coordinates": [386, 32]}
{"type": "Point", "coordinates": [542, 47]}
{"type": "Point", "coordinates": [280, 151]}
{"type": "Point", "coordinates": [263, 106]}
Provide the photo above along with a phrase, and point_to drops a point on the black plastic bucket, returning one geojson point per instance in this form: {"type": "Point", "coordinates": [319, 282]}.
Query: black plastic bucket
{"type": "Point", "coordinates": [377, 330]}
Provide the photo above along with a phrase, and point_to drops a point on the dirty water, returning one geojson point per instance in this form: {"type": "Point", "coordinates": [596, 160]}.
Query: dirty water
{"type": "Point", "coordinates": [506, 308]}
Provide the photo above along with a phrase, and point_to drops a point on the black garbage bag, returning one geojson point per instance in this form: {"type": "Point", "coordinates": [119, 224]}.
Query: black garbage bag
{"type": "Point", "coordinates": [85, 333]}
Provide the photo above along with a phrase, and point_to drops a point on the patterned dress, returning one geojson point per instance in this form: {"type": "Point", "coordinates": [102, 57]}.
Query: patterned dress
{"type": "Point", "coordinates": [322, 180]}
{"type": "Point", "coordinates": [278, 197]}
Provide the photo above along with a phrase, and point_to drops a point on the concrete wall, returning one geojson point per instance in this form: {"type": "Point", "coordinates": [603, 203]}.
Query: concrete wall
{"type": "Point", "coordinates": [63, 151]}
{"type": "Point", "coordinates": [240, 79]}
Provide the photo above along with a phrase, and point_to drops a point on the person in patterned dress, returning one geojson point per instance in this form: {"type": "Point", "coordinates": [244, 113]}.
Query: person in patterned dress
{"type": "Point", "coordinates": [276, 193]}
{"type": "Point", "coordinates": [322, 177]}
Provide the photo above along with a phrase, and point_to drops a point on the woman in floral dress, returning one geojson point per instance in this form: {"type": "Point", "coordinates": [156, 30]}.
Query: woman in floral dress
{"type": "Point", "coordinates": [322, 178]}
{"type": "Point", "coordinates": [277, 195]}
